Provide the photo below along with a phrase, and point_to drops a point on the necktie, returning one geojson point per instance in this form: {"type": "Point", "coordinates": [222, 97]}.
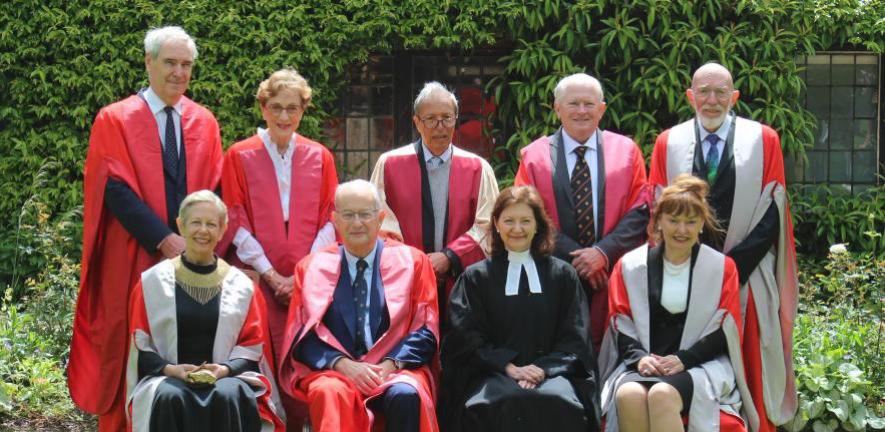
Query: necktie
{"type": "Point", "coordinates": [435, 162]}
{"type": "Point", "coordinates": [582, 191]}
{"type": "Point", "coordinates": [712, 157]}
{"type": "Point", "coordinates": [170, 152]}
{"type": "Point", "coordinates": [360, 291]}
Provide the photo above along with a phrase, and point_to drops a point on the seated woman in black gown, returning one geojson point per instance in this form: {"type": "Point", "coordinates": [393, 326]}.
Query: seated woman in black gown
{"type": "Point", "coordinates": [197, 349]}
{"type": "Point", "coordinates": [518, 355]}
{"type": "Point", "coordinates": [672, 347]}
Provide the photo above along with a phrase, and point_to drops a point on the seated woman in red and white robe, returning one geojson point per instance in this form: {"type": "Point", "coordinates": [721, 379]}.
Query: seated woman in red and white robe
{"type": "Point", "coordinates": [192, 315]}
{"type": "Point", "coordinates": [672, 347]}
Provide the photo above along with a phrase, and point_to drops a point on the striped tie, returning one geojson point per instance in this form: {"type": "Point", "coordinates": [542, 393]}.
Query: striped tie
{"type": "Point", "coordinates": [712, 158]}
{"type": "Point", "coordinates": [582, 190]}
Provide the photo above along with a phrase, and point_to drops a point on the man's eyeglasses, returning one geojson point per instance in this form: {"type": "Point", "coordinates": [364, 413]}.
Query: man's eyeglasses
{"type": "Point", "coordinates": [432, 123]}
{"type": "Point", "coordinates": [279, 109]}
{"type": "Point", "coordinates": [362, 215]}
{"type": "Point", "coordinates": [720, 93]}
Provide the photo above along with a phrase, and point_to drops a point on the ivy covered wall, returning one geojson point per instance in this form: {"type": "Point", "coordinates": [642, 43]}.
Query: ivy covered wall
{"type": "Point", "coordinates": [61, 60]}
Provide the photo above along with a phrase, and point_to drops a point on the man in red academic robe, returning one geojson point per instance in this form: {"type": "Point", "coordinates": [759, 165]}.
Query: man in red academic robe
{"type": "Point", "coordinates": [363, 326]}
{"type": "Point", "coordinates": [146, 153]}
{"type": "Point", "coordinates": [742, 161]}
{"type": "Point", "coordinates": [438, 197]}
{"type": "Point", "coordinates": [594, 188]}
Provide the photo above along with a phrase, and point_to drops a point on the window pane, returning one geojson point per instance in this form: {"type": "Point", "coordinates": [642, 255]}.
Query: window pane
{"type": "Point", "coordinates": [864, 167]}
{"type": "Point", "coordinates": [841, 102]}
{"type": "Point", "coordinates": [865, 102]}
{"type": "Point", "coordinates": [818, 70]}
{"type": "Point", "coordinates": [358, 165]}
{"type": "Point", "coordinates": [819, 101]}
{"type": "Point", "coordinates": [333, 133]}
{"type": "Point", "coordinates": [843, 70]}
{"type": "Point", "coordinates": [841, 133]}
{"type": "Point", "coordinates": [793, 169]}
{"type": "Point", "coordinates": [864, 134]}
{"type": "Point", "coordinates": [823, 135]}
{"type": "Point", "coordinates": [840, 166]}
{"type": "Point", "coordinates": [357, 133]}
{"type": "Point", "coordinates": [382, 133]}
{"type": "Point", "coordinates": [867, 70]}
{"type": "Point", "coordinates": [382, 101]}
{"type": "Point", "coordinates": [358, 101]}
{"type": "Point", "coordinates": [425, 69]}
{"type": "Point", "coordinates": [818, 163]}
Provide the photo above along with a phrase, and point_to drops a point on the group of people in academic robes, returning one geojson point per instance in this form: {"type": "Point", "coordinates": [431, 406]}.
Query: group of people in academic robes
{"type": "Point", "coordinates": [250, 291]}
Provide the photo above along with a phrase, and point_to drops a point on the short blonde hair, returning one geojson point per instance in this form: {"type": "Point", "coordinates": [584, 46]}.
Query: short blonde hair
{"type": "Point", "coordinates": [284, 79]}
{"type": "Point", "coordinates": [202, 196]}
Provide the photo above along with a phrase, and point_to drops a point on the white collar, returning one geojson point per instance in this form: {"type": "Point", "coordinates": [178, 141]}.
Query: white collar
{"type": "Point", "coordinates": [722, 132]}
{"type": "Point", "coordinates": [272, 146]}
{"type": "Point", "coordinates": [517, 262]}
{"type": "Point", "coordinates": [571, 143]}
{"type": "Point", "coordinates": [156, 104]}
{"type": "Point", "coordinates": [352, 259]}
{"type": "Point", "coordinates": [445, 156]}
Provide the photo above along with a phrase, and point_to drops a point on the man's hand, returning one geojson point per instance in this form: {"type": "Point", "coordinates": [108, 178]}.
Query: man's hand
{"type": "Point", "coordinates": [366, 376]}
{"type": "Point", "coordinates": [529, 373]}
{"type": "Point", "coordinates": [669, 365]}
{"type": "Point", "coordinates": [590, 264]}
{"type": "Point", "coordinates": [440, 262]}
{"type": "Point", "coordinates": [280, 285]}
{"type": "Point", "coordinates": [172, 246]}
{"type": "Point", "coordinates": [178, 371]}
{"type": "Point", "coordinates": [388, 367]}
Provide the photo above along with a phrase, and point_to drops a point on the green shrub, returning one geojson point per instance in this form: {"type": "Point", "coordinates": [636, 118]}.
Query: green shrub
{"type": "Point", "coordinates": [837, 346]}
{"type": "Point", "coordinates": [825, 215]}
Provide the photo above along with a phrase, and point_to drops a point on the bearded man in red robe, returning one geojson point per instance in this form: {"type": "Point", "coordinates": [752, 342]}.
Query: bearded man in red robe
{"type": "Point", "coordinates": [146, 153]}
{"type": "Point", "coordinates": [594, 188]}
{"type": "Point", "coordinates": [742, 161]}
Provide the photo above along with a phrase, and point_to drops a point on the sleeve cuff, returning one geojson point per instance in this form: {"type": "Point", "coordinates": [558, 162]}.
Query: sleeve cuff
{"type": "Point", "coordinates": [455, 260]}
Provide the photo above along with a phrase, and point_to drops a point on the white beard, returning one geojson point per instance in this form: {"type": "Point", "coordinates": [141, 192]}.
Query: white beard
{"type": "Point", "coordinates": [712, 124]}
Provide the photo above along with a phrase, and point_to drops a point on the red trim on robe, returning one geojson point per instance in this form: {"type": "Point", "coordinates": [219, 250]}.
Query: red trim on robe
{"type": "Point", "coordinates": [251, 192]}
{"type": "Point", "coordinates": [251, 334]}
{"type": "Point", "coordinates": [125, 145]}
{"type": "Point", "coordinates": [773, 170]}
{"type": "Point", "coordinates": [625, 190]}
{"type": "Point", "coordinates": [410, 295]}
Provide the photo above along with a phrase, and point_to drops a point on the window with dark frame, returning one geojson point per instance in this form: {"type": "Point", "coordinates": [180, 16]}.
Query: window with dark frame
{"type": "Point", "coordinates": [843, 93]}
{"type": "Point", "coordinates": [376, 108]}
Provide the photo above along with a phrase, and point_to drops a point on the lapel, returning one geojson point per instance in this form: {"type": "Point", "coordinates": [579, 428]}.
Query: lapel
{"type": "Point", "coordinates": [599, 222]}
{"type": "Point", "coordinates": [376, 300]}
{"type": "Point", "coordinates": [427, 220]}
{"type": "Point", "coordinates": [343, 296]}
{"type": "Point", "coordinates": [562, 190]}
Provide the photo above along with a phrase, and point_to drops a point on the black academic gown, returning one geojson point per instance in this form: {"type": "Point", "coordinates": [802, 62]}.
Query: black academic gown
{"type": "Point", "coordinates": [490, 329]}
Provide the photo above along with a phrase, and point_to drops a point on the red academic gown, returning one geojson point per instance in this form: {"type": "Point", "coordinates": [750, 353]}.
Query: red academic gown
{"type": "Point", "coordinates": [401, 177]}
{"type": "Point", "coordinates": [756, 166]}
{"type": "Point", "coordinates": [623, 202]}
{"type": "Point", "coordinates": [124, 145]}
{"type": "Point", "coordinates": [711, 267]}
{"type": "Point", "coordinates": [410, 294]}
{"type": "Point", "coordinates": [240, 334]}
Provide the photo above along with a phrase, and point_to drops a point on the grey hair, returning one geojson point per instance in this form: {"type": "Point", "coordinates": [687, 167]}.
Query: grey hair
{"type": "Point", "coordinates": [358, 185]}
{"type": "Point", "coordinates": [155, 38]}
{"type": "Point", "coordinates": [202, 196]}
{"type": "Point", "coordinates": [429, 89]}
{"type": "Point", "coordinates": [578, 78]}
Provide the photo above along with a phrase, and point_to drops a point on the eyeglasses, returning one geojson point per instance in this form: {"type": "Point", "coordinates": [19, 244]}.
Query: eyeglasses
{"type": "Point", "coordinates": [362, 215]}
{"type": "Point", "coordinates": [279, 109]}
{"type": "Point", "coordinates": [432, 123]}
{"type": "Point", "coordinates": [720, 93]}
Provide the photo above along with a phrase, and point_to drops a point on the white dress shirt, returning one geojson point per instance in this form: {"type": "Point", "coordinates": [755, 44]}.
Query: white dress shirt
{"type": "Point", "coordinates": [157, 107]}
{"type": "Point", "coordinates": [674, 286]}
{"type": "Point", "coordinates": [590, 156]}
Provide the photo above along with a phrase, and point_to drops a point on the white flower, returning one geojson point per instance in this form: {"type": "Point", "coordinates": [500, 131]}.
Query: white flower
{"type": "Point", "coordinates": [838, 249]}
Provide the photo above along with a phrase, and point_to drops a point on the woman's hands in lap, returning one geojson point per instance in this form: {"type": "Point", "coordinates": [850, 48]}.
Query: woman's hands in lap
{"type": "Point", "coordinates": [527, 377]}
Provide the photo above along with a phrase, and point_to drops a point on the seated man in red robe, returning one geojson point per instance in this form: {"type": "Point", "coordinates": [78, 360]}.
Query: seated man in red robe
{"type": "Point", "coordinates": [594, 188]}
{"type": "Point", "coordinates": [146, 153]}
{"type": "Point", "coordinates": [438, 197]}
{"type": "Point", "coordinates": [362, 326]}
{"type": "Point", "coordinates": [741, 160]}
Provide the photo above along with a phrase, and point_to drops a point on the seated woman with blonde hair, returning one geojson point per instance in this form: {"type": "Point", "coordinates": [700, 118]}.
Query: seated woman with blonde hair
{"type": "Point", "coordinates": [198, 356]}
{"type": "Point", "coordinates": [672, 347]}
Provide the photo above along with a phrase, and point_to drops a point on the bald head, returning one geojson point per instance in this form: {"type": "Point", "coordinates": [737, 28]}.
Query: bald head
{"type": "Point", "coordinates": [712, 95]}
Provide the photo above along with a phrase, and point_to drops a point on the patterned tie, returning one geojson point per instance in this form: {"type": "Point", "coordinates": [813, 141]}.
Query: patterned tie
{"type": "Point", "coordinates": [712, 157]}
{"type": "Point", "coordinates": [582, 190]}
{"type": "Point", "coordinates": [170, 152]}
{"type": "Point", "coordinates": [360, 290]}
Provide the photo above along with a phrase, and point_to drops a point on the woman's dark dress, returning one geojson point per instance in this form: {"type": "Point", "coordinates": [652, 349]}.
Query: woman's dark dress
{"type": "Point", "coordinates": [490, 329]}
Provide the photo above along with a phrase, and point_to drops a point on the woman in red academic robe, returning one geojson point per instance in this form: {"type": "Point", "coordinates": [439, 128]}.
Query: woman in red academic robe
{"type": "Point", "coordinates": [196, 312]}
{"type": "Point", "coordinates": [672, 347]}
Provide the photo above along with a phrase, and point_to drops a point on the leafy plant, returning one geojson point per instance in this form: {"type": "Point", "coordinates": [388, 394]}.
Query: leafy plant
{"type": "Point", "coordinates": [824, 215]}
